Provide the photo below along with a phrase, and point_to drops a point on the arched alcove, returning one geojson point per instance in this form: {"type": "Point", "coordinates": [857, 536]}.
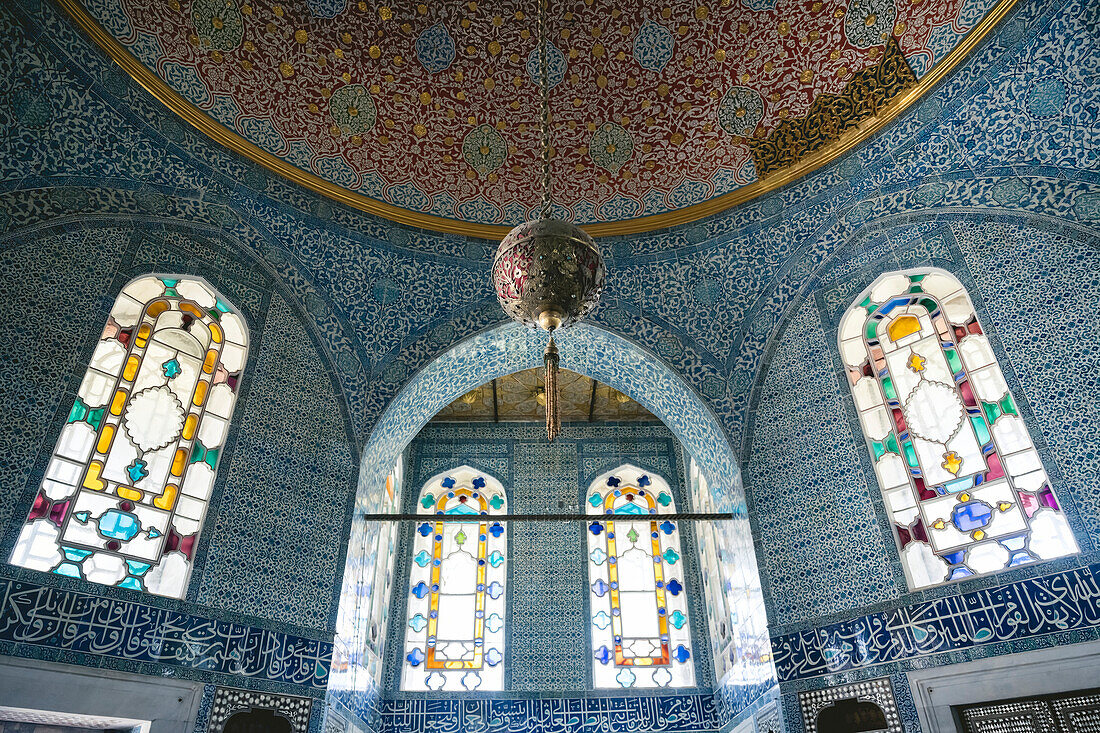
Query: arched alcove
{"type": "Point", "coordinates": [510, 348]}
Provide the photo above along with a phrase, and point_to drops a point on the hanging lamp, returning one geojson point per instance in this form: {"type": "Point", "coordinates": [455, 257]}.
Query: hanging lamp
{"type": "Point", "coordinates": [548, 273]}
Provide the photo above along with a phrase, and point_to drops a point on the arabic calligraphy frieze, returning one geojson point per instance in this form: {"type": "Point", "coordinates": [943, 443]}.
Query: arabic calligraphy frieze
{"type": "Point", "coordinates": [658, 713]}
{"type": "Point", "coordinates": [1061, 602]}
{"type": "Point", "coordinates": [91, 624]}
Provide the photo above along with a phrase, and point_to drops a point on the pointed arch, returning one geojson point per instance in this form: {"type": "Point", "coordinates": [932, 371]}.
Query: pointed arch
{"type": "Point", "coordinates": [127, 486]}
{"type": "Point", "coordinates": [964, 487]}
{"type": "Point", "coordinates": [454, 633]}
{"type": "Point", "coordinates": [639, 622]}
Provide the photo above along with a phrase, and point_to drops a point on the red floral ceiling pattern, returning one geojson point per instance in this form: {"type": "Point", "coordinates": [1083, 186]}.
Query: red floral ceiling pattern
{"type": "Point", "coordinates": [434, 108]}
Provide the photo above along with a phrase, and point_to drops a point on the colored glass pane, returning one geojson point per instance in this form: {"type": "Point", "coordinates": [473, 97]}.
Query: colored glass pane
{"type": "Point", "coordinates": [366, 617]}
{"type": "Point", "coordinates": [454, 636]}
{"type": "Point", "coordinates": [126, 489]}
{"type": "Point", "coordinates": [971, 496]}
{"type": "Point", "coordinates": [637, 585]}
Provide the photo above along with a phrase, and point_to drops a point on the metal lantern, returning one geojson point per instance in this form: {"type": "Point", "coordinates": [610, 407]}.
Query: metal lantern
{"type": "Point", "coordinates": [548, 273]}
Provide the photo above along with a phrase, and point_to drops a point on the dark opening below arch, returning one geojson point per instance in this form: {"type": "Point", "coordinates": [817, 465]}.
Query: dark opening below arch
{"type": "Point", "coordinates": [851, 716]}
{"type": "Point", "coordinates": [257, 720]}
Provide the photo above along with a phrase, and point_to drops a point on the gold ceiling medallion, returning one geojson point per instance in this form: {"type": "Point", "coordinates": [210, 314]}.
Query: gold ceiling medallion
{"type": "Point", "coordinates": [811, 162]}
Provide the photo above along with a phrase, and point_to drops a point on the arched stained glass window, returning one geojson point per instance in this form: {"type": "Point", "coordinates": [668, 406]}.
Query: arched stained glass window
{"type": "Point", "coordinates": [127, 486]}
{"type": "Point", "coordinates": [640, 634]}
{"type": "Point", "coordinates": [963, 483]}
{"type": "Point", "coordinates": [715, 562]}
{"type": "Point", "coordinates": [454, 636]}
{"type": "Point", "coordinates": [373, 572]}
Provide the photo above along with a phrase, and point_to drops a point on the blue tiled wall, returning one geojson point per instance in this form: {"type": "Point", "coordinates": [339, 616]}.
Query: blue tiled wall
{"type": "Point", "coordinates": [983, 178]}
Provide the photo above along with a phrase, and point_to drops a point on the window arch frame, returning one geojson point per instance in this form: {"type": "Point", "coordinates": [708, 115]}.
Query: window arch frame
{"type": "Point", "coordinates": [946, 312]}
{"type": "Point", "coordinates": [80, 476]}
{"type": "Point", "coordinates": [425, 585]}
{"type": "Point", "coordinates": [612, 668]}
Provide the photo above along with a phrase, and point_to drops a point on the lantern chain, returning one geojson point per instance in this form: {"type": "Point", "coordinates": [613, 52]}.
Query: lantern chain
{"type": "Point", "coordinates": [544, 73]}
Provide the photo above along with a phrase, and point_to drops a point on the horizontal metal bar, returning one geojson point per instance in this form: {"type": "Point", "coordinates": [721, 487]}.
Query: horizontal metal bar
{"type": "Point", "coordinates": [473, 519]}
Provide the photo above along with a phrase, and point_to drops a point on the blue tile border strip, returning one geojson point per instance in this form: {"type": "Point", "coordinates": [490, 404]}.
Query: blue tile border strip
{"type": "Point", "coordinates": [664, 714]}
{"type": "Point", "coordinates": [33, 615]}
{"type": "Point", "coordinates": [1026, 609]}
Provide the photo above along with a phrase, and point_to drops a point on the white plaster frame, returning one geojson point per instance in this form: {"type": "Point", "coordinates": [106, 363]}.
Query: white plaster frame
{"type": "Point", "coordinates": [1065, 668]}
{"type": "Point", "coordinates": [171, 706]}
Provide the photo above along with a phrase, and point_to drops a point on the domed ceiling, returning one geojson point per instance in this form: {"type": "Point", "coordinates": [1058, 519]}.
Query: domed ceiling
{"type": "Point", "coordinates": [664, 110]}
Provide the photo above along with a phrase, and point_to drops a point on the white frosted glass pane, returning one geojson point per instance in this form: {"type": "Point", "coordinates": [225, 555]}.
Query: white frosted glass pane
{"type": "Point", "coordinates": [234, 329]}
{"type": "Point", "coordinates": [168, 319]}
{"type": "Point", "coordinates": [892, 472]}
{"type": "Point", "coordinates": [153, 418]}
{"type": "Point", "coordinates": [456, 617]}
{"type": "Point", "coordinates": [889, 286]}
{"type": "Point", "coordinates": [936, 368]}
{"type": "Point", "coordinates": [924, 567]}
{"type": "Point", "coordinates": [126, 311]}
{"type": "Point", "coordinates": [940, 285]}
{"type": "Point", "coordinates": [123, 454]}
{"type": "Point", "coordinates": [159, 463]}
{"type": "Point", "coordinates": [900, 499]}
{"type": "Point", "coordinates": [934, 412]}
{"type": "Point", "coordinates": [1011, 434]}
{"type": "Point", "coordinates": [958, 309]}
{"type": "Point", "coordinates": [905, 517]}
{"type": "Point", "coordinates": [636, 571]}
{"type": "Point", "coordinates": [638, 611]}
{"type": "Point", "coordinates": [976, 352]}
{"type": "Point", "coordinates": [144, 289]}
{"type": "Point", "coordinates": [930, 456]}
{"type": "Point", "coordinates": [220, 400]}
{"type": "Point", "coordinates": [866, 393]}
{"type": "Point", "coordinates": [1031, 481]}
{"type": "Point", "coordinates": [198, 481]}
{"type": "Point", "coordinates": [1050, 535]}
{"type": "Point", "coordinates": [877, 423]}
{"type": "Point", "coordinates": [76, 441]}
{"type": "Point", "coordinates": [852, 325]}
{"type": "Point", "coordinates": [96, 389]}
{"type": "Point", "coordinates": [108, 356]}
{"type": "Point", "coordinates": [102, 567]}
{"type": "Point", "coordinates": [987, 557]}
{"type": "Point", "coordinates": [185, 526]}
{"type": "Point", "coordinates": [640, 648]}
{"type": "Point", "coordinates": [36, 547]}
{"type": "Point", "coordinates": [189, 507]}
{"type": "Point", "coordinates": [965, 445]}
{"type": "Point", "coordinates": [989, 384]}
{"type": "Point", "coordinates": [64, 472]}
{"type": "Point", "coordinates": [1024, 462]}
{"type": "Point", "coordinates": [454, 651]}
{"type": "Point", "coordinates": [458, 573]}
{"type": "Point", "coordinates": [169, 577]}
{"type": "Point", "coordinates": [212, 430]}
{"type": "Point", "coordinates": [232, 358]}
{"type": "Point", "coordinates": [193, 343]}
{"type": "Point", "coordinates": [853, 352]}
{"type": "Point", "coordinates": [196, 291]}
{"type": "Point", "coordinates": [905, 379]}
